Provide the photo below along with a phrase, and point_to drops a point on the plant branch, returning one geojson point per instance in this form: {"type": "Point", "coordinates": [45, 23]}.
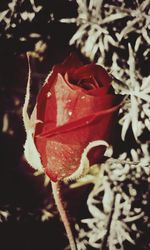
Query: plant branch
{"type": "Point", "coordinates": [63, 214]}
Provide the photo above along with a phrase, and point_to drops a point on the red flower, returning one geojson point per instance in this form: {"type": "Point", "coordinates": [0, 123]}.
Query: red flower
{"type": "Point", "coordinates": [76, 106]}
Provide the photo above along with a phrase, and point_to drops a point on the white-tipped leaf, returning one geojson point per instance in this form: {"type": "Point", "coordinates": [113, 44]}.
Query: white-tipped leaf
{"type": "Point", "coordinates": [31, 154]}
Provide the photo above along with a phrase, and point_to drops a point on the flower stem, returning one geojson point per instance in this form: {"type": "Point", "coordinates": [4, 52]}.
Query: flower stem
{"type": "Point", "coordinates": [63, 214]}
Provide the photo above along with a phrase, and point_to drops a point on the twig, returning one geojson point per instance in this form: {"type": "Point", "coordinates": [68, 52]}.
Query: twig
{"type": "Point", "coordinates": [63, 214]}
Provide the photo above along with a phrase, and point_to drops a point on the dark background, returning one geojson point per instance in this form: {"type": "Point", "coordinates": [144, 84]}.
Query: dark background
{"type": "Point", "coordinates": [21, 193]}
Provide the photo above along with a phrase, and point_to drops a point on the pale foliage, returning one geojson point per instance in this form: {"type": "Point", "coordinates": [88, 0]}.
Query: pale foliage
{"type": "Point", "coordinates": [9, 15]}
{"type": "Point", "coordinates": [4, 214]}
{"type": "Point", "coordinates": [99, 26]}
{"type": "Point", "coordinates": [136, 108]}
{"type": "Point", "coordinates": [114, 216]}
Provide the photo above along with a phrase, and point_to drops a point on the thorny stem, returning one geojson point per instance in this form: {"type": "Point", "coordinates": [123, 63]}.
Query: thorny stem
{"type": "Point", "coordinates": [63, 214]}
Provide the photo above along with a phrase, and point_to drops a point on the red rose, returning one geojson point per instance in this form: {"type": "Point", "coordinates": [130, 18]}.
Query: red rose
{"type": "Point", "coordinates": [76, 106]}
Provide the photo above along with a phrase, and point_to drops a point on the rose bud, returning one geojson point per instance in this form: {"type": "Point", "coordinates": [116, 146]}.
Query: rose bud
{"type": "Point", "coordinates": [75, 107]}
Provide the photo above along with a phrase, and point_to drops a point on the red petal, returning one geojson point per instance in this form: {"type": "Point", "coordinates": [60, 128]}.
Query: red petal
{"type": "Point", "coordinates": [61, 153]}
{"type": "Point", "coordinates": [91, 70]}
{"type": "Point", "coordinates": [73, 117]}
{"type": "Point", "coordinates": [83, 112]}
{"type": "Point", "coordinates": [53, 103]}
{"type": "Point", "coordinates": [71, 63]}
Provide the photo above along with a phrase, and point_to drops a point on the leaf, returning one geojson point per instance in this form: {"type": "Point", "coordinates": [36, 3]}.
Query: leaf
{"type": "Point", "coordinates": [127, 121]}
{"type": "Point", "coordinates": [134, 115]}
